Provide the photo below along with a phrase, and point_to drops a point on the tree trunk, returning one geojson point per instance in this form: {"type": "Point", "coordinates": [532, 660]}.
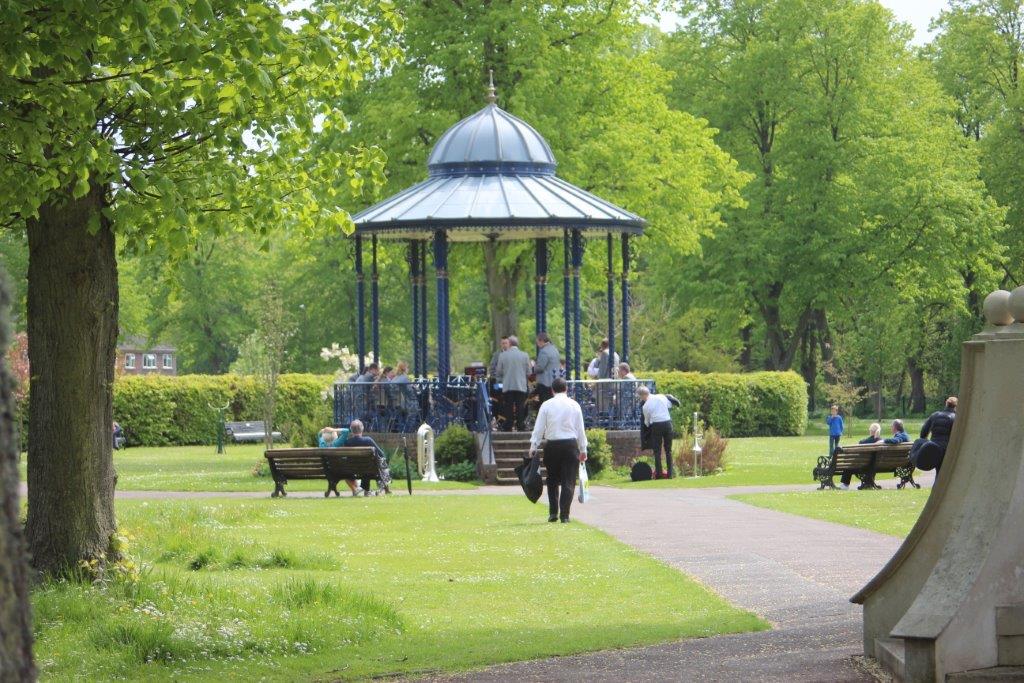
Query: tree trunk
{"type": "Point", "coordinates": [918, 403]}
{"type": "Point", "coordinates": [746, 358]}
{"type": "Point", "coordinates": [502, 286]}
{"type": "Point", "coordinates": [72, 332]}
{"type": "Point", "coordinates": [15, 624]}
{"type": "Point", "coordinates": [809, 368]}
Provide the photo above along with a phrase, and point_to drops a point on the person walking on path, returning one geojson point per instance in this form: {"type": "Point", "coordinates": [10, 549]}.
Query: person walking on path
{"type": "Point", "coordinates": [546, 367]}
{"type": "Point", "coordinates": [559, 427]}
{"type": "Point", "coordinates": [659, 422]}
{"type": "Point", "coordinates": [835, 428]}
{"type": "Point", "coordinates": [514, 368]}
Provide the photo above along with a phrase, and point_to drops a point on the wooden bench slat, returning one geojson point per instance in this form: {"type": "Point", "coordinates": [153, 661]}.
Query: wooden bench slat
{"type": "Point", "coordinates": [332, 464]}
{"type": "Point", "coordinates": [865, 461]}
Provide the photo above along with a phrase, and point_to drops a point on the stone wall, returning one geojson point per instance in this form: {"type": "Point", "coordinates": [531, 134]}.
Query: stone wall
{"type": "Point", "coordinates": [625, 446]}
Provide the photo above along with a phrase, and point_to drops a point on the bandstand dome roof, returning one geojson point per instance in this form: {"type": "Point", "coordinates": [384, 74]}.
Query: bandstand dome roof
{"type": "Point", "coordinates": [492, 176]}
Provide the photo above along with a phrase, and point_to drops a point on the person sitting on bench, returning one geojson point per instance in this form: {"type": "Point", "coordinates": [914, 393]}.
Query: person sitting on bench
{"type": "Point", "coordinates": [899, 434]}
{"type": "Point", "coordinates": [384, 472]}
{"type": "Point", "coordinates": [874, 436]}
{"type": "Point", "coordinates": [329, 437]}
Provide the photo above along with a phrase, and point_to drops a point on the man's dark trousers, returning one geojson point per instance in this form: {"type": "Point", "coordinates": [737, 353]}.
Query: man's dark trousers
{"type": "Point", "coordinates": [661, 438]}
{"type": "Point", "coordinates": [515, 410]}
{"type": "Point", "coordinates": [562, 460]}
{"type": "Point", "coordinates": [544, 392]}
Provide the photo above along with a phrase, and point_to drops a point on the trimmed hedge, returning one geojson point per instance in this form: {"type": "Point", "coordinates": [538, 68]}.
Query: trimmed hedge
{"type": "Point", "coordinates": [747, 404]}
{"type": "Point", "coordinates": [156, 410]}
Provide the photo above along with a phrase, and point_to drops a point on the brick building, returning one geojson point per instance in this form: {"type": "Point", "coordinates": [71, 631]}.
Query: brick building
{"type": "Point", "coordinates": [135, 356]}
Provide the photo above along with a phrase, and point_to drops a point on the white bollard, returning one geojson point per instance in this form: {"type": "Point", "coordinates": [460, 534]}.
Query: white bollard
{"type": "Point", "coordinates": [425, 452]}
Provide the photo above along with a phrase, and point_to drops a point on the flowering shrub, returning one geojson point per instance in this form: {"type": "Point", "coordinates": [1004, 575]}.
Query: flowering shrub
{"type": "Point", "coordinates": [712, 454]}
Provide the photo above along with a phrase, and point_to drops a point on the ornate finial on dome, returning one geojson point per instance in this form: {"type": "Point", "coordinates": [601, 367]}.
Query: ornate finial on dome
{"type": "Point", "coordinates": [492, 96]}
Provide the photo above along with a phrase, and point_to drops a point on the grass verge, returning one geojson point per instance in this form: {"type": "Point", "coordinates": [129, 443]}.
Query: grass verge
{"type": "Point", "coordinates": [293, 589]}
{"type": "Point", "coordinates": [887, 512]}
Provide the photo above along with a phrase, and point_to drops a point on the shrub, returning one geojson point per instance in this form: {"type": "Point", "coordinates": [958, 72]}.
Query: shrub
{"type": "Point", "coordinates": [747, 404]}
{"type": "Point", "coordinates": [160, 410]}
{"type": "Point", "coordinates": [455, 445]}
{"type": "Point", "coordinates": [712, 456]}
{"type": "Point", "coordinates": [599, 452]}
{"type": "Point", "coordinates": [460, 471]}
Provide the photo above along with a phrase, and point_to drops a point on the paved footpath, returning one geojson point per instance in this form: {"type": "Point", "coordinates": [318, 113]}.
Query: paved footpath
{"type": "Point", "coordinates": [795, 572]}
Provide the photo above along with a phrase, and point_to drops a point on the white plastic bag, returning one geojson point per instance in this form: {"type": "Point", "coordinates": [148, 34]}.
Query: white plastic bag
{"type": "Point", "coordinates": [584, 495]}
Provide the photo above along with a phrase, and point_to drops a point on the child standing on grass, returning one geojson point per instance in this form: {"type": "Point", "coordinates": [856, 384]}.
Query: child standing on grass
{"type": "Point", "coordinates": [835, 428]}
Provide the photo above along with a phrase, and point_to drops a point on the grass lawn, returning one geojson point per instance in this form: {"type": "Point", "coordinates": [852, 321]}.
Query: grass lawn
{"type": "Point", "coordinates": [343, 589]}
{"type": "Point", "coordinates": [199, 468]}
{"type": "Point", "coordinates": [887, 512]}
{"type": "Point", "coordinates": [759, 461]}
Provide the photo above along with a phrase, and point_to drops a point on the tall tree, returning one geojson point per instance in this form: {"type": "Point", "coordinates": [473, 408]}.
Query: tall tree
{"type": "Point", "coordinates": [16, 664]}
{"type": "Point", "coordinates": [159, 121]}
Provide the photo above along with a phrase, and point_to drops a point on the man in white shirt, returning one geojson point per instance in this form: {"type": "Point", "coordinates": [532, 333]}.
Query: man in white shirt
{"type": "Point", "coordinates": [559, 427]}
{"type": "Point", "coordinates": [657, 418]}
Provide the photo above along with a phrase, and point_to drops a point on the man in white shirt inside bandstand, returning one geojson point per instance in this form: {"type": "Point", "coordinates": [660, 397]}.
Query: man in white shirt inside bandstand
{"type": "Point", "coordinates": [559, 427]}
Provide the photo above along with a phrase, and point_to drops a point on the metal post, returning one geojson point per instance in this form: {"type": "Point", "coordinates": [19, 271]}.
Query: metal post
{"type": "Point", "coordinates": [542, 279]}
{"type": "Point", "coordinates": [577, 261]}
{"type": "Point", "coordinates": [612, 370]}
{"type": "Point", "coordinates": [567, 349]}
{"type": "Point", "coordinates": [625, 297]}
{"type": "Point", "coordinates": [374, 301]}
{"type": "Point", "coordinates": [360, 305]}
{"type": "Point", "coordinates": [414, 275]}
{"type": "Point", "coordinates": [441, 273]}
{"type": "Point", "coordinates": [424, 312]}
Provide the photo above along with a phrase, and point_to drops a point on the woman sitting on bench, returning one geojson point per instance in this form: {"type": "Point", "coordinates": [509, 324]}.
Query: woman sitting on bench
{"type": "Point", "coordinates": [874, 436]}
{"type": "Point", "coordinates": [329, 437]}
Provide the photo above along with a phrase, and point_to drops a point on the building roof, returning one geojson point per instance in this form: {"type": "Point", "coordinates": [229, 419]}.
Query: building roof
{"type": "Point", "coordinates": [139, 344]}
{"type": "Point", "coordinates": [492, 177]}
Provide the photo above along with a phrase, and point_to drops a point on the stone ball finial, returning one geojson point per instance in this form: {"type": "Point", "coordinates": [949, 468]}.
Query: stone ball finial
{"type": "Point", "coordinates": [1016, 303]}
{"type": "Point", "coordinates": [997, 308]}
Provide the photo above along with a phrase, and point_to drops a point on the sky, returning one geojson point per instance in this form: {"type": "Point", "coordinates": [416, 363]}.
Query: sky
{"type": "Point", "coordinates": [917, 13]}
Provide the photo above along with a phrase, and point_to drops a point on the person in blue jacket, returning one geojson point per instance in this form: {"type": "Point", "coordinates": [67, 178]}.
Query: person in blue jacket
{"type": "Point", "coordinates": [835, 428]}
{"type": "Point", "coordinates": [329, 437]}
{"type": "Point", "coordinates": [899, 434]}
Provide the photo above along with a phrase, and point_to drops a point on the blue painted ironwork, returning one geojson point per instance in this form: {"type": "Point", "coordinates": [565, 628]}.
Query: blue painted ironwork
{"type": "Point", "coordinates": [375, 300]}
{"type": "Point", "coordinates": [424, 311]}
{"type": "Point", "coordinates": [567, 349]}
{"type": "Point", "coordinates": [414, 275]}
{"type": "Point", "coordinates": [392, 407]}
{"type": "Point", "coordinates": [625, 299]}
{"type": "Point", "coordinates": [360, 306]}
{"type": "Point", "coordinates": [441, 273]}
{"type": "Point", "coordinates": [612, 370]}
{"type": "Point", "coordinates": [541, 293]}
{"type": "Point", "coordinates": [577, 261]}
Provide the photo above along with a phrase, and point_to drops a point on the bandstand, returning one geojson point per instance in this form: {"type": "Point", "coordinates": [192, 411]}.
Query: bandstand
{"type": "Point", "coordinates": [491, 178]}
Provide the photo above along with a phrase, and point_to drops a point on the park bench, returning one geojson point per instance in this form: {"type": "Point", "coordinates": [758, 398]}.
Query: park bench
{"type": "Point", "coordinates": [865, 461]}
{"type": "Point", "coordinates": [246, 432]}
{"type": "Point", "coordinates": [332, 464]}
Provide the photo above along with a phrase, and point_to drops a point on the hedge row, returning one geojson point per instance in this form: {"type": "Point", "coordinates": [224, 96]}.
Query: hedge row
{"type": "Point", "coordinates": [157, 410]}
{"type": "Point", "coordinates": [748, 404]}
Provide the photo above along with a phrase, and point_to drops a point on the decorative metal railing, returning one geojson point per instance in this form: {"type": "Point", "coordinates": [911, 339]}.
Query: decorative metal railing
{"type": "Point", "coordinates": [389, 407]}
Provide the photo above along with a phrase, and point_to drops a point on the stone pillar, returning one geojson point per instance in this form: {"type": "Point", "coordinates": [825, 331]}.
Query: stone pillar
{"type": "Point", "coordinates": [952, 597]}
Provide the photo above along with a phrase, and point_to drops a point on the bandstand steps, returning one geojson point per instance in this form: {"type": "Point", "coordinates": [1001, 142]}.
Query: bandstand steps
{"type": "Point", "coordinates": [1010, 635]}
{"type": "Point", "coordinates": [509, 450]}
{"type": "Point", "coordinates": [891, 656]}
{"type": "Point", "coordinates": [995, 674]}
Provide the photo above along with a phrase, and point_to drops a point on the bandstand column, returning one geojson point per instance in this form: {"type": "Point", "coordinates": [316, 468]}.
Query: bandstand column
{"type": "Point", "coordinates": [374, 301]}
{"type": "Point", "coordinates": [441, 273]}
{"type": "Point", "coordinates": [612, 370]}
{"type": "Point", "coordinates": [542, 290]}
{"type": "Point", "coordinates": [625, 297]}
{"type": "Point", "coordinates": [577, 261]}
{"type": "Point", "coordinates": [567, 349]}
{"type": "Point", "coordinates": [360, 305]}
{"type": "Point", "coordinates": [414, 275]}
{"type": "Point", "coordinates": [424, 311]}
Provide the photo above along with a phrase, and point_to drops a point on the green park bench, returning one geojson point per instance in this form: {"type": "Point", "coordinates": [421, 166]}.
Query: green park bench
{"type": "Point", "coordinates": [865, 461]}
{"type": "Point", "coordinates": [332, 464]}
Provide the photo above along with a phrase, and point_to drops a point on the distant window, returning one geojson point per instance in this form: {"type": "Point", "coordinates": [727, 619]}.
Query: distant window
{"type": "Point", "coordinates": [129, 361]}
{"type": "Point", "coordinates": [149, 361]}
{"type": "Point", "coordinates": [168, 365]}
